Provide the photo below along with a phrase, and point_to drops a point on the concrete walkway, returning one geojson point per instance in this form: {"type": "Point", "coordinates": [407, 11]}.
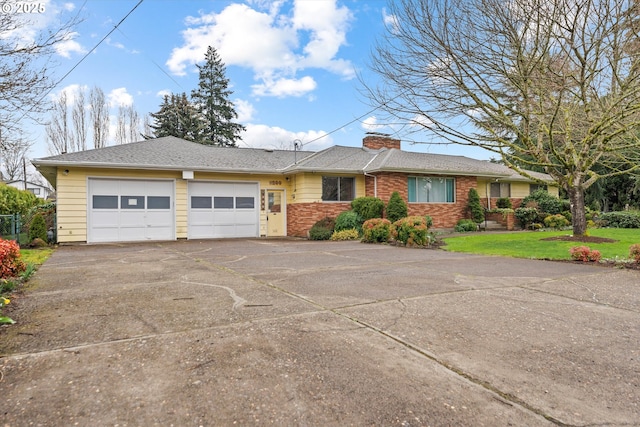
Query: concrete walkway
{"type": "Point", "coordinates": [268, 332]}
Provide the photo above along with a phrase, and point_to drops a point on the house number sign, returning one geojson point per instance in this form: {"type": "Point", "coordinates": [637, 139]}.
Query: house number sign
{"type": "Point", "coordinates": [275, 182]}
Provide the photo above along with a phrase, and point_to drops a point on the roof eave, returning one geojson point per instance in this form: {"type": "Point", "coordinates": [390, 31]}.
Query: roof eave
{"type": "Point", "coordinates": [99, 165]}
{"type": "Point", "coordinates": [439, 172]}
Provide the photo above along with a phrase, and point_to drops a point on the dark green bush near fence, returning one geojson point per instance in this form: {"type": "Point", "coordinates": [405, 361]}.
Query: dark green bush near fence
{"type": "Point", "coordinates": [626, 219]}
{"type": "Point", "coordinates": [38, 228]}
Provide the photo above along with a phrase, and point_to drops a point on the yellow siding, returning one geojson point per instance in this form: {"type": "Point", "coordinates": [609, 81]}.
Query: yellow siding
{"type": "Point", "coordinates": [72, 196]}
{"type": "Point", "coordinates": [519, 190]}
{"type": "Point", "coordinates": [307, 187]}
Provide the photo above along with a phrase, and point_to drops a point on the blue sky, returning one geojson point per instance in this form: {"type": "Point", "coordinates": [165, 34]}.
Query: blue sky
{"type": "Point", "coordinates": [293, 65]}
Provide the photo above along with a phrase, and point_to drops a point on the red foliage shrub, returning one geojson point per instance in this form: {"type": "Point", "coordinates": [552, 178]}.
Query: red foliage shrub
{"type": "Point", "coordinates": [585, 254]}
{"type": "Point", "coordinates": [634, 252]}
{"type": "Point", "coordinates": [10, 263]}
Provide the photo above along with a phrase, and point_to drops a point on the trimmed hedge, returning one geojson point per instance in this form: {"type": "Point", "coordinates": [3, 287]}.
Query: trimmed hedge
{"type": "Point", "coordinates": [626, 219]}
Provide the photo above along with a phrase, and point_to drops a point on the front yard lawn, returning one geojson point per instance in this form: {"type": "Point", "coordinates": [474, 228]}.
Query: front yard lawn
{"type": "Point", "coordinates": [532, 244]}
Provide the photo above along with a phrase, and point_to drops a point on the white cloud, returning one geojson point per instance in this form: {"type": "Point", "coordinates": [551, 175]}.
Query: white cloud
{"type": "Point", "coordinates": [421, 120]}
{"type": "Point", "coordinates": [244, 109]}
{"type": "Point", "coordinates": [69, 45]}
{"type": "Point", "coordinates": [390, 21]}
{"type": "Point", "coordinates": [285, 87]}
{"type": "Point", "coordinates": [164, 92]}
{"type": "Point", "coordinates": [262, 136]}
{"type": "Point", "coordinates": [370, 124]}
{"type": "Point", "coordinates": [119, 97]}
{"type": "Point", "coordinates": [70, 91]}
{"type": "Point", "coordinates": [275, 43]}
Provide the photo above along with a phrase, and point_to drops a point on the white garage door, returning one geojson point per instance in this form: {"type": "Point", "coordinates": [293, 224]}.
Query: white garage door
{"type": "Point", "coordinates": [223, 209]}
{"type": "Point", "coordinates": [123, 210]}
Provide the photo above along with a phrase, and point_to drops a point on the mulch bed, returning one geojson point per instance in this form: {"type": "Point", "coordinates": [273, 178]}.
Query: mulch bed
{"type": "Point", "coordinates": [581, 239]}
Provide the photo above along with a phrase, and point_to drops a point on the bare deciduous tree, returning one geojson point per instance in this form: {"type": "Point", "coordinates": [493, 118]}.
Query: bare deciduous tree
{"type": "Point", "coordinates": [57, 129]}
{"type": "Point", "coordinates": [550, 84]}
{"type": "Point", "coordinates": [99, 117]}
{"type": "Point", "coordinates": [12, 153]}
{"type": "Point", "coordinates": [24, 76]}
{"type": "Point", "coordinates": [79, 118]}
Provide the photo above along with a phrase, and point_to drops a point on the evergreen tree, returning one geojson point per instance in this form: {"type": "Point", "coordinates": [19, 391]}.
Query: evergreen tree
{"type": "Point", "coordinates": [177, 117]}
{"type": "Point", "coordinates": [211, 99]}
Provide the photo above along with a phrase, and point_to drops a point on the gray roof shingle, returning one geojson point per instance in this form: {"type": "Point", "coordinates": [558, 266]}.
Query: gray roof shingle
{"type": "Point", "coordinates": [170, 153]}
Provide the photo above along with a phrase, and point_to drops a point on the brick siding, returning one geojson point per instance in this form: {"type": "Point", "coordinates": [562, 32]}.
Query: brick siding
{"type": "Point", "coordinates": [302, 216]}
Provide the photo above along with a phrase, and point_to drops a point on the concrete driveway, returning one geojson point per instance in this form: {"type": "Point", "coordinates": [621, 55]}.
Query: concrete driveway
{"type": "Point", "coordinates": [269, 332]}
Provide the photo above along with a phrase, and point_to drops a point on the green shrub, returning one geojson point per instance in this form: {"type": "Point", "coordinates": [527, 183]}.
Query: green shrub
{"type": "Point", "coordinates": [14, 201]}
{"type": "Point", "coordinates": [347, 234]}
{"type": "Point", "coordinates": [348, 220]}
{"type": "Point", "coordinates": [545, 202]}
{"type": "Point", "coordinates": [625, 219]}
{"type": "Point", "coordinates": [476, 211]}
{"type": "Point", "coordinates": [526, 216]}
{"type": "Point", "coordinates": [38, 228]}
{"type": "Point", "coordinates": [634, 253]}
{"type": "Point", "coordinates": [376, 230]}
{"type": "Point", "coordinates": [428, 220]}
{"type": "Point", "coordinates": [412, 231]}
{"type": "Point", "coordinates": [322, 230]}
{"type": "Point", "coordinates": [557, 221]}
{"type": "Point", "coordinates": [466, 225]}
{"type": "Point", "coordinates": [396, 208]}
{"type": "Point", "coordinates": [10, 263]}
{"type": "Point", "coordinates": [504, 203]}
{"type": "Point", "coordinates": [368, 207]}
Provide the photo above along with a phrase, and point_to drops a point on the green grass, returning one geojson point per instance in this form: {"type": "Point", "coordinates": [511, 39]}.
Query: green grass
{"type": "Point", "coordinates": [529, 244]}
{"type": "Point", "coordinates": [35, 256]}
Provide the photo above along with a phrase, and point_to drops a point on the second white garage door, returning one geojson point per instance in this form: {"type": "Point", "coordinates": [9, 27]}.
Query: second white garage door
{"type": "Point", "coordinates": [223, 209]}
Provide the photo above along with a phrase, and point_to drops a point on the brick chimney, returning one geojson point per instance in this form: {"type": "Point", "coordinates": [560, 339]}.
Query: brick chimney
{"type": "Point", "coordinates": [376, 141]}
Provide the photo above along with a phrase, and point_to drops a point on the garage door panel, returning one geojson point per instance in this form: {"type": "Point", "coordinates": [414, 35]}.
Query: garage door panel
{"type": "Point", "coordinates": [223, 209]}
{"type": "Point", "coordinates": [130, 210]}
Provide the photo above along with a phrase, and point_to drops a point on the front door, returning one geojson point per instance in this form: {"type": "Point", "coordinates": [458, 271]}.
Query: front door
{"type": "Point", "coordinates": [275, 213]}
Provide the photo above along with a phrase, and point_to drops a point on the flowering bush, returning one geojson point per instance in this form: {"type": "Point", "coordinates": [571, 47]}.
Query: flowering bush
{"type": "Point", "coordinates": [10, 263]}
{"type": "Point", "coordinates": [634, 252]}
{"type": "Point", "coordinates": [376, 230]}
{"type": "Point", "coordinates": [584, 254]}
{"type": "Point", "coordinates": [348, 234]}
{"type": "Point", "coordinates": [412, 231]}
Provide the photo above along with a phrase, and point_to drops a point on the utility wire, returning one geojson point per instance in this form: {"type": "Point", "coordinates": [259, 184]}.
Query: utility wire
{"type": "Point", "coordinates": [86, 55]}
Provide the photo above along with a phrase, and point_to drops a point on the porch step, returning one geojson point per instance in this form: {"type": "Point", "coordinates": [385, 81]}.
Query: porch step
{"type": "Point", "coordinates": [491, 225]}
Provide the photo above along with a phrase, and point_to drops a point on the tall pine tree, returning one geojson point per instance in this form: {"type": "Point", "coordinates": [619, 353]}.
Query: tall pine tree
{"type": "Point", "coordinates": [177, 117]}
{"type": "Point", "coordinates": [211, 99]}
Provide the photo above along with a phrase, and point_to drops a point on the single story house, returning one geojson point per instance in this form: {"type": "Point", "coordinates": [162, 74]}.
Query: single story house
{"type": "Point", "coordinates": [169, 188]}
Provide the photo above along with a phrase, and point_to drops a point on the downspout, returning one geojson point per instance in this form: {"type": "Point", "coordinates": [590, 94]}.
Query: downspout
{"type": "Point", "coordinates": [375, 178]}
{"type": "Point", "coordinates": [375, 183]}
{"type": "Point", "coordinates": [487, 190]}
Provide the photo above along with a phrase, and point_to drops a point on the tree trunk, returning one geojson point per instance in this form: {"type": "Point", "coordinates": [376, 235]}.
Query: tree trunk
{"type": "Point", "coordinates": [579, 219]}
